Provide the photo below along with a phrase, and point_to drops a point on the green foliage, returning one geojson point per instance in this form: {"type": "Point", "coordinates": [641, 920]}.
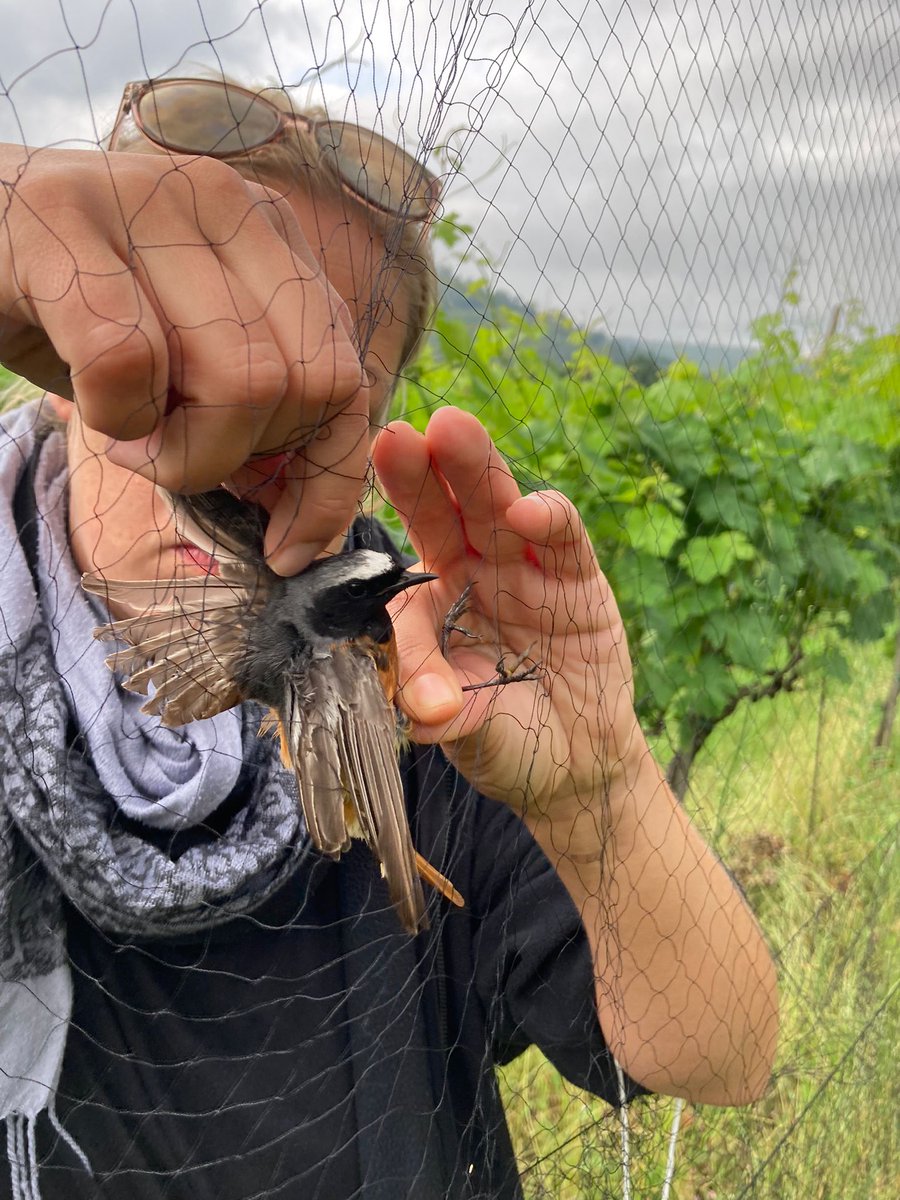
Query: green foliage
{"type": "Point", "coordinates": [827, 905]}
{"type": "Point", "coordinates": [738, 516]}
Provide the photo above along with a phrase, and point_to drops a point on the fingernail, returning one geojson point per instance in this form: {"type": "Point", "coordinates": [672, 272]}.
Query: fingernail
{"type": "Point", "coordinates": [433, 698]}
{"type": "Point", "coordinates": [290, 560]}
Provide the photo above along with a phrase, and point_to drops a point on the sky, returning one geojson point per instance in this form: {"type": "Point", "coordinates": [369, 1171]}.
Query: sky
{"type": "Point", "coordinates": [656, 168]}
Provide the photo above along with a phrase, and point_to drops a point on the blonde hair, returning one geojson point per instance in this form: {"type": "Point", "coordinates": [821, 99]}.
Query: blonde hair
{"type": "Point", "coordinates": [297, 159]}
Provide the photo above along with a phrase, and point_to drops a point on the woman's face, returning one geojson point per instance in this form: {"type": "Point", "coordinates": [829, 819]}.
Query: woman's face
{"type": "Point", "coordinates": [119, 525]}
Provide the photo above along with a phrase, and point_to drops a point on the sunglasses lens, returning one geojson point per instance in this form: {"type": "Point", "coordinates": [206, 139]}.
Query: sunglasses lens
{"type": "Point", "coordinates": [377, 170]}
{"type": "Point", "coordinates": [202, 117]}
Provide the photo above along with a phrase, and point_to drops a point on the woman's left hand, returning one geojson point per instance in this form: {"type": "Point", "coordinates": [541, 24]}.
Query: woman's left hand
{"type": "Point", "coordinates": [684, 985]}
{"type": "Point", "coordinates": [546, 744]}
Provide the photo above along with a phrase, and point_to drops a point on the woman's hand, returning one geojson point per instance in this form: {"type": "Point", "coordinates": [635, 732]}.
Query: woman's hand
{"type": "Point", "coordinates": [182, 308]}
{"type": "Point", "coordinates": [684, 985]}
{"type": "Point", "coordinates": [537, 599]}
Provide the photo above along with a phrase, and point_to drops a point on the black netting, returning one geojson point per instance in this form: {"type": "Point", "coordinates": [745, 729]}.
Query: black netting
{"type": "Point", "coordinates": [637, 262]}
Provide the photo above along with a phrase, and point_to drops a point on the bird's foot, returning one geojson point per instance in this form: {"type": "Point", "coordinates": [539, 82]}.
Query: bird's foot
{"type": "Point", "coordinates": [454, 612]}
{"type": "Point", "coordinates": [519, 671]}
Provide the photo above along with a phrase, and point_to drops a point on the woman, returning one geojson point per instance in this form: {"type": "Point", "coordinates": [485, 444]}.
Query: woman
{"type": "Point", "coordinates": [247, 1017]}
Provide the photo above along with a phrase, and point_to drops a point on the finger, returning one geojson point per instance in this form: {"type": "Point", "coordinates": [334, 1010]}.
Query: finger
{"type": "Point", "coordinates": [429, 691]}
{"type": "Point", "coordinates": [557, 542]}
{"type": "Point", "coordinates": [105, 328]}
{"type": "Point", "coordinates": [193, 449]}
{"type": "Point", "coordinates": [61, 270]}
{"type": "Point", "coordinates": [27, 351]}
{"type": "Point", "coordinates": [570, 581]}
{"type": "Point", "coordinates": [321, 488]}
{"type": "Point", "coordinates": [300, 312]}
{"type": "Point", "coordinates": [269, 370]}
{"type": "Point", "coordinates": [226, 377]}
{"type": "Point", "coordinates": [463, 452]}
{"type": "Point", "coordinates": [427, 507]}
{"type": "Point", "coordinates": [282, 218]}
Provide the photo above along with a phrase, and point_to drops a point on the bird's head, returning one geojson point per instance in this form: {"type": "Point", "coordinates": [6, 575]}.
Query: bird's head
{"type": "Point", "coordinates": [347, 595]}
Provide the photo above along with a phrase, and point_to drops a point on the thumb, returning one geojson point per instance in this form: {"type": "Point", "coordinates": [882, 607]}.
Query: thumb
{"type": "Point", "coordinates": [429, 693]}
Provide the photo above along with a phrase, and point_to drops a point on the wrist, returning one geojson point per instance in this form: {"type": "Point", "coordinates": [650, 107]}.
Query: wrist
{"type": "Point", "coordinates": [578, 821]}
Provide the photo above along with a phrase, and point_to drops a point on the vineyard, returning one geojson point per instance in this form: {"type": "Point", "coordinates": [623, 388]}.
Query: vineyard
{"type": "Point", "coordinates": [654, 248]}
{"type": "Point", "coordinates": [750, 524]}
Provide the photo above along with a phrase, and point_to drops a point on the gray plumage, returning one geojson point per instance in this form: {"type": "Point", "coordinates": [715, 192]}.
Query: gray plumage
{"type": "Point", "coordinates": [316, 648]}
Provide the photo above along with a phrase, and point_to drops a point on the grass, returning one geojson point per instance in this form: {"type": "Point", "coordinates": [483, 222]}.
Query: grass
{"type": "Point", "coordinates": [791, 794]}
{"type": "Point", "coordinates": [14, 390]}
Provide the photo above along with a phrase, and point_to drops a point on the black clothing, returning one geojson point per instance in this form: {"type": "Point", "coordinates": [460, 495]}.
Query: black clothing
{"type": "Point", "coordinates": [225, 1065]}
{"type": "Point", "coordinates": [311, 1048]}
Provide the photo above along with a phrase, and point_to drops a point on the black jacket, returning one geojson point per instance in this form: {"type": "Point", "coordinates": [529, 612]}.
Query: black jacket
{"type": "Point", "coordinates": [312, 1048]}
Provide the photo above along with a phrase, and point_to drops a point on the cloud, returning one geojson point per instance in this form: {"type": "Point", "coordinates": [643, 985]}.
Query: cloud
{"type": "Point", "coordinates": [657, 167]}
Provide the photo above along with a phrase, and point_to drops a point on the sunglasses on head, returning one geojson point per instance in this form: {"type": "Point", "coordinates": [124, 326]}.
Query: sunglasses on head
{"type": "Point", "coordinates": [222, 120]}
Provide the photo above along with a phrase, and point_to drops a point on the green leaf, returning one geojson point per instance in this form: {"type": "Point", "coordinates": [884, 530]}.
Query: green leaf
{"type": "Point", "coordinates": [653, 529]}
{"type": "Point", "coordinates": [451, 230]}
{"type": "Point", "coordinates": [782, 562]}
{"type": "Point", "coordinates": [685, 447]}
{"type": "Point", "coordinates": [681, 391]}
{"type": "Point", "coordinates": [724, 501]}
{"type": "Point", "coordinates": [830, 662]}
{"type": "Point", "coordinates": [641, 581]}
{"type": "Point", "coordinates": [835, 459]}
{"type": "Point", "coordinates": [715, 688]}
{"type": "Point", "coordinates": [748, 637]}
{"type": "Point", "coordinates": [706, 558]}
{"type": "Point", "coordinates": [870, 618]}
{"type": "Point", "coordinates": [837, 571]}
{"type": "Point", "coordinates": [655, 680]}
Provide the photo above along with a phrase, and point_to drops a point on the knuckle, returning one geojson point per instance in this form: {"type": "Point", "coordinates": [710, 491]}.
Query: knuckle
{"type": "Point", "coordinates": [206, 193]}
{"type": "Point", "coordinates": [258, 375]}
{"type": "Point", "coordinates": [330, 376]}
{"type": "Point", "coordinates": [271, 195]}
{"type": "Point", "coordinates": [216, 175]}
{"type": "Point", "coordinates": [108, 351]}
{"type": "Point", "coordinates": [245, 372]}
{"type": "Point", "coordinates": [266, 385]}
{"type": "Point", "coordinates": [119, 367]}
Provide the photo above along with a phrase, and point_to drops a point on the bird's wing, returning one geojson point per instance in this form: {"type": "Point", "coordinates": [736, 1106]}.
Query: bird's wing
{"type": "Point", "coordinates": [343, 736]}
{"type": "Point", "coordinates": [232, 531]}
{"type": "Point", "coordinates": [185, 636]}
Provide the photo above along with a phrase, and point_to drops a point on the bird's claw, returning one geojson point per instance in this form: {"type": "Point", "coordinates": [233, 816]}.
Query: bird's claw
{"type": "Point", "coordinates": [454, 612]}
{"type": "Point", "coordinates": [517, 672]}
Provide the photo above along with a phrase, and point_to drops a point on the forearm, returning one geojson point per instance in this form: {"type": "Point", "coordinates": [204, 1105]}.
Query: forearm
{"type": "Point", "coordinates": [685, 984]}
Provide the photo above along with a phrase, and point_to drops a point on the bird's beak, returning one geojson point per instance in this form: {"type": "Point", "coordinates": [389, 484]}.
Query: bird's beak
{"type": "Point", "coordinates": [407, 580]}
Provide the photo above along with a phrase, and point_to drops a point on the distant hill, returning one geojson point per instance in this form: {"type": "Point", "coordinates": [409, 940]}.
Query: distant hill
{"type": "Point", "coordinates": [647, 358]}
{"type": "Point", "coordinates": [711, 356]}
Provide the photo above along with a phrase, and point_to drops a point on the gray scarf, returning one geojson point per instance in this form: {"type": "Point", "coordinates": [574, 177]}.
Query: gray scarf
{"type": "Point", "coordinates": [75, 760]}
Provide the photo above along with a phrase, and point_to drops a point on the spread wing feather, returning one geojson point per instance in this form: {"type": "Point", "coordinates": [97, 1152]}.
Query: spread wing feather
{"type": "Point", "coordinates": [186, 645]}
{"type": "Point", "coordinates": [185, 636]}
{"type": "Point", "coordinates": [347, 771]}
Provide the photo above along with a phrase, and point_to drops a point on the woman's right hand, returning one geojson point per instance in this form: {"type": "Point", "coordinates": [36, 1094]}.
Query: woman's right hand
{"type": "Point", "coordinates": [182, 309]}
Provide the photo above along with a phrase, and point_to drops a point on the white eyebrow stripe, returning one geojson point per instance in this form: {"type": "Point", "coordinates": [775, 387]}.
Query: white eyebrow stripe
{"type": "Point", "coordinates": [361, 564]}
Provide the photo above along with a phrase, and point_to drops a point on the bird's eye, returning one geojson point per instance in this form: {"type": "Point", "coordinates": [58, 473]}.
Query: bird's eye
{"type": "Point", "coordinates": [356, 588]}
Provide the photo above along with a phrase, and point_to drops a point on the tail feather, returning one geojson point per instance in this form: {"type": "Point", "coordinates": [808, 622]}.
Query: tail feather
{"type": "Point", "coordinates": [439, 882]}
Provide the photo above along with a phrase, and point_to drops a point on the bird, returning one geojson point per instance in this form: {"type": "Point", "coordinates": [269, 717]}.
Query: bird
{"type": "Point", "coordinates": [318, 649]}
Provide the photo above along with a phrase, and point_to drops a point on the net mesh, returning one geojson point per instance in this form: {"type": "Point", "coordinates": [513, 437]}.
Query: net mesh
{"type": "Point", "coordinates": [662, 275]}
